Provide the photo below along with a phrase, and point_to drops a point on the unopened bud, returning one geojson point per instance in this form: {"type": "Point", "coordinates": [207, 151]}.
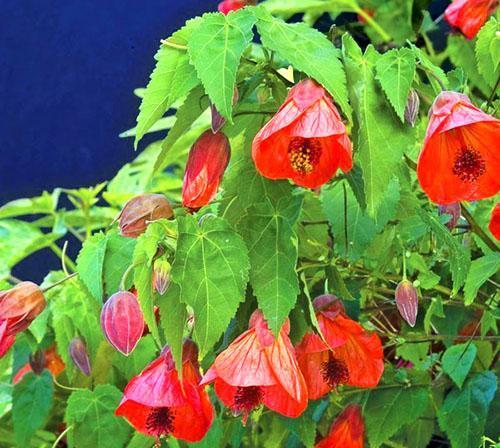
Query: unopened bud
{"type": "Point", "coordinates": [412, 108]}
{"type": "Point", "coordinates": [37, 362]}
{"type": "Point", "coordinates": [79, 356]}
{"type": "Point", "coordinates": [407, 302]}
{"type": "Point", "coordinates": [122, 321]}
{"type": "Point", "coordinates": [161, 275]}
{"type": "Point", "coordinates": [454, 210]}
{"type": "Point", "coordinates": [263, 94]}
{"type": "Point", "coordinates": [218, 121]}
{"type": "Point", "coordinates": [140, 211]}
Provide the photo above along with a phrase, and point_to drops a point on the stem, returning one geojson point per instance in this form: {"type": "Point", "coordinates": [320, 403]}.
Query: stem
{"type": "Point", "coordinates": [477, 229]}
{"type": "Point", "coordinates": [48, 288]}
{"type": "Point", "coordinates": [272, 70]}
{"type": "Point", "coordinates": [57, 250]}
{"type": "Point", "coordinates": [58, 384]}
{"type": "Point", "coordinates": [171, 44]}
{"type": "Point", "coordinates": [442, 337]}
{"type": "Point", "coordinates": [431, 73]}
{"type": "Point", "coordinates": [60, 437]}
{"type": "Point", "coordinates": [387, 386]}
{"type": "Point", "coordinates": [371, 22]}
{"type": "Point", "coordinates": [490, 99]}
{"type": "Point", "coordinates": [125, 276]}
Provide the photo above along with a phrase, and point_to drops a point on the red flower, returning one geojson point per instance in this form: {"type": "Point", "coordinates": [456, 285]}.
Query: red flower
{"type": "Point", "coordinates": [227, 6]}
{"type": "Point", "coordinates": [157, 404]}
{"type": "Point", "coordinates": [347, 431]}
{"type": "Point", "coordinates": [19, 306]}
{"type": "Point", "coordinates": [205, 167]}
{"type": "Point", "coordinates": [469, 15]}
{"type": "Point", "coordinates": [460, 160]}
{"type": "Point", "coordinates": [257, 369]}
{"type": "Point", "coordinates": [305, 141]}
{"type": "Point", "coordinates": [495, 222]}
{"type": "Point", "coordinates": [348, 355]}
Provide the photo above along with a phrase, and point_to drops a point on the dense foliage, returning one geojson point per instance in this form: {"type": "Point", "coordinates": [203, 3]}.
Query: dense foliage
{"type": "Point", "coordinates": [374, 263]}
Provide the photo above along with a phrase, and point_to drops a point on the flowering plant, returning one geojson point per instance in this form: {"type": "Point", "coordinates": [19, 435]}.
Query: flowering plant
{"type": "Point", "coordinates": [305, 255]}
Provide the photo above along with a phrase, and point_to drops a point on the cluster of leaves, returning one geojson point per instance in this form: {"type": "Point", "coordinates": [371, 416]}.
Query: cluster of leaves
{"type": "Point", "coordinates": [268, 244]}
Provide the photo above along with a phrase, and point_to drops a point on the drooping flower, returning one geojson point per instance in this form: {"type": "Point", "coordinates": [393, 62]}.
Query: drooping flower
{"type": "Point", "coordinates": [454, 210]}
{"type": "Point", "coordinates": [49, 360]}
{"type": "Point", "coordinates": [348, 354]}
{"type": "Point", "coordinates": [138, 212]}
{"type": "Point", "coordinates": [494, 225]}
{"type": "Point", "coordinates": [460, 160]}
{"type": "Point", "coordinates": [347, 431]}
{"type": "Point", "coordinates": [407, 301]}
{"type": "Point", "coordinates": [305, 141]}
{"type": "Point", "coordinates": [227, 6]}
{"type": "Point", "coordinates": [207, 161]}
{"type": "Point", "coordinates": [19, 306]}
{"type": "Point", "coordinates": [469, 15]}
{"type": "Point", "coordinates": [155, 402]}
{"type": "Point", "coordinates": [122, 321]}
{"type": "Point", "coordinates": [258, 368]}
{"type": "Point", "coordinates": [79, 355]}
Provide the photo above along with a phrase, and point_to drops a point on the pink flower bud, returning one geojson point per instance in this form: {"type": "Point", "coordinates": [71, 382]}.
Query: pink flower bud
{"type": "Point", "coordinates": [161, 275]}
{"type": "Point", "coordinates": [454, 210]}
{"type": "Point", "coordinates": [412, 108]}
{"type": "Point", "coordinates": [122, 321]}
{"type": "Point", "coordinates": [79, 356]}
{"type": "Point", "coordinates": [407, 302]}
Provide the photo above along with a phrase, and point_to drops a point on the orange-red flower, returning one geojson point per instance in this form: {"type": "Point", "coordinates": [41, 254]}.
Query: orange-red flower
{"type": "Point", "coordinates": [156, 403]}
{"type": "Point", "coordinates": [51, 361]}
{"type": "Point", "coordinates": [207, 161]}
{"type": "Point", "coordinates": [460, 160]}
{"type": "Point", "coordinates": [227, 6]}
{"type": "Point", "coordinates": [469, 15]}
{"type": "Point", "coordinates": [347, 431]}
{"type": "Point", "coordinates": [305, 141]}
{"type": "Point", "coordinates": [19, 306]}
{"type": "Point", "coordinates": [348, 354]}
{"type": "Point", "coordinates": [258, 368]}
{"type": "Point", "coordinates": [495, 222]}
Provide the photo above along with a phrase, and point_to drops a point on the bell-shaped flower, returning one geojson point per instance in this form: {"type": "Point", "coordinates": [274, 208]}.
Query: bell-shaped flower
{"type": "Point", "coordinates": [469, 15]}
{"type": "Point", "coordinates": [494, 226]}
{"type": "Point", "coordinates": [347, 431]}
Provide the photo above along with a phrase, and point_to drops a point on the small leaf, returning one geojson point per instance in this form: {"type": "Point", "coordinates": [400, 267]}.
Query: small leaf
{"type": "Point", "coordinates": [89, 264]}
{"type": "Point", "coordinates": [215, 49]}
{"type": "Point", "coordinates": [31, 404]}
{"type": "Point", "coordinates": [457, 361]}
{"type": "Point", "coordinates": [395, 71]}
{"type": "Point", "coordinates": [488, 50]}
{"type": "Point", "coordinates": [91, 415]}
{"type": "Point", "coordinates": [463, 413]}
{"type": "Point", "coordinates": [480, 271]}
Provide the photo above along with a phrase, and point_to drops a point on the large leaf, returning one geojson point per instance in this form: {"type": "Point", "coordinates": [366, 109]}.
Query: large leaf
{"type": "Point", "coordinates": [395, 71]}
{"type": "Point", "coordinates": [172, 78]}
{"type": "Point", "coordinates": [92, 417]}
{"type": "Point", "coordinates": [308, 51]}
{"type": "Point", "coordinates": [488, 51]}
{"type": "Point", "coordinates": [272, 244]}
{"type": "Point", "coordinates": [457, 361]}
{"type": "Point", "coordinates": [31, 403]}
{"type": "Point", "coordinates": [215, 50]}
{"type": "Point", "coordinates": [118, 257]}
{"type": "Point", "coordinates": [384, 413]}
{"type": "Point", "coordinates": [381, 137]}
{"type": "Point", "coordinates": [90, 263]}
{"type": "Point", "coordinates": [463, 414]}
{"type": "Point", "coordinates": [480, 271]}
{"type": "Point", "coordinates": [211, 267]}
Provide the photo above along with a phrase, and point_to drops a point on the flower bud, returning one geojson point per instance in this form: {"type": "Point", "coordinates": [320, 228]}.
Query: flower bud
{"type": "Point", "coordinates": [37, 362]}
{"type": "Point", "coordinates": [412, 108]}
{"type": "Point", "coordinates": [19, 306]}
{"type": "Point", "coordinates": [218, 121]}
{"type": "Point", "coordinates": [122, 321]}
{"type": "Point", "coordinates": [263, 94]}
{"type": "Point", "coordinates": [407, 302]}
{"type": "Point", "coordinates": [205, 167]}
{"type": "Point", "coordinates": [139, 211]}
{"type": "Point", "coordinates": [161, 275]}
{"type": "Point", "coordinates": [454, 210]}
{"type": "Point", "coordinates": [79, 356]}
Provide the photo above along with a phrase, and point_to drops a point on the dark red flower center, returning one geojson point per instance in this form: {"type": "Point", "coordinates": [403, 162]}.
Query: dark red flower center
{"type": "Point", "coordinates": [247, 398]}
{"type": "Point", "coordinates": [304, 154]}
{"type": "Point", "coordinates": [334, 372]}
{"type": "Point", "coordinates": [160, 422]}
{"type": "Point", "coordinates": [469, 165]}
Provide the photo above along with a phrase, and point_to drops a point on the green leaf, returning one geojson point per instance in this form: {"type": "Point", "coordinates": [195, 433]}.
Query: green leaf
{"type": "Point", "coordinates": [463, 414]}
{"type": "Point", "coordinates": [215, 50]}
{"type": "Point", "coordinates": [171, 305]}
{"type": "Point", "coordinates": [435, 309]}
{"type": "Point", "coordinates": [307, 50]}
{"type": "Point", "coordinates": [383, 411]}
{"type": "Point", "coordinates": [118, 257]}
{"type": "Point", "coordinates": [381, 138]}
{"type": "Point", "coordinates": [31, 404]}
{"type": "Point", "coordinates": [457, 361]}
{"type": "Point", "coordinates": [395, 71]}
{"type": "Point", "coordinates": [268, 230]}
{"type": "Point", "coordinates": [419, 433]}
{"type": "Point", "coordinates": [94, 424]}
{"type": "Point", "coordinates": [44, 204]}
{"type": "Point", "coordinates": [481, 270]}
{"type": "Point", "coordinates": [316, 8]}
{"type": "Point", "coordinates": [143, 354]}
{"type": "Point", "coordinates": [90, 264]}
{"type": "Point", "coordinates": [172, 79]}
{"type": "Point", "coordinates": [429, 66]}
{"type": "Point", "coordinates": [488, 51]}
{"type": "Point", "coordinates": [211, 267]}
